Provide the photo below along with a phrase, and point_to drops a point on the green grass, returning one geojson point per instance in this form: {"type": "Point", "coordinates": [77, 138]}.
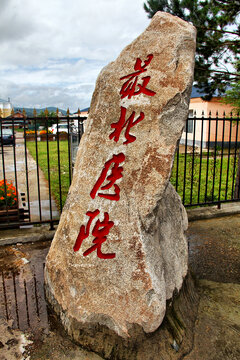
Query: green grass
{"type": "Point", "coordinates": [53, 166]}
{"type": "Point", "coordinates": [208, 173]}
{"type": "Point", "coordinates": [209, 189]}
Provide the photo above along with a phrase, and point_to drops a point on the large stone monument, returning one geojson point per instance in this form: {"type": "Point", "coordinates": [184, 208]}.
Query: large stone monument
{"type": "Point", "coordinates": [119, 252]}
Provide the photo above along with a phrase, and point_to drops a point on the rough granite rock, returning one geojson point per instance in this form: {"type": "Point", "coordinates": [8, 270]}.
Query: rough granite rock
{"type": "Point", "coordinates": [147, 239]}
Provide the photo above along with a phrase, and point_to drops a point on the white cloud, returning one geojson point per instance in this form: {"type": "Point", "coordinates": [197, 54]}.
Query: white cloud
{"type": "Point", "coordinates": [53, 50]}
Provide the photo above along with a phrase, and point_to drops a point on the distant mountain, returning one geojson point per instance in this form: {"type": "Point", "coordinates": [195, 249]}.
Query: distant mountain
{"type": "Point", "coordinates": [86, 109]}
{"type": "Point", "coordinates": [29, 111]}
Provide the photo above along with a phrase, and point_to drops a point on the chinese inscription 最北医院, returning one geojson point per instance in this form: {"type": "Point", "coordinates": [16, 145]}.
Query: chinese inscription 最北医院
{"type": "Point", "coordinates": [133, 86]}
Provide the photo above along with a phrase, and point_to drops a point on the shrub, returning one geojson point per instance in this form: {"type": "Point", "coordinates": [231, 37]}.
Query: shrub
{"type": "Point", "coordinates": [43, 132]}
{"type": "Point", "coordinates": [8, 194]}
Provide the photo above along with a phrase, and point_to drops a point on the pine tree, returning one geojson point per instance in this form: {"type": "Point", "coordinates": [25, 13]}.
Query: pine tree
{"type": "Point", "coordinates": [218, 39]}
{"type": "Point", "coordinates": [233, 97]}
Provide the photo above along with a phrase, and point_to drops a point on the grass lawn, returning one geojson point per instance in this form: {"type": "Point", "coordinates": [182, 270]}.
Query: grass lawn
{"type": "Point", "coordinates": [206, 180]}
{"type": "Point", "coordinates": [59, 185]}
{"type": "Point", "coordinates": [207, 172]}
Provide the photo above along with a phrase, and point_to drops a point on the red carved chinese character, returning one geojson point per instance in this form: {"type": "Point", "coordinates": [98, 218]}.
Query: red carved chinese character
{"type": "Point", "coordinates": [129, 87]}
{"type": "Point", "coordinates": [100, 232]}
{"type": "Point", "coordinates": [122, 123]}
{"type": "Point", "coordinates": [83, 234]}
{"type": "Point", "coordinates": [116, 173]}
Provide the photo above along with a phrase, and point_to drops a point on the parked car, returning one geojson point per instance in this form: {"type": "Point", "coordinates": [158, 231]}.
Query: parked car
{"type": "Point", "coordinates": [62, 127]}
{"type": "Point", "coordinates": [7, 136]}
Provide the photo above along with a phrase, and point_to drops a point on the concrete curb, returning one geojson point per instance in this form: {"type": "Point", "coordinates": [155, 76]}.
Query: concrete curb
{"type": "Point", "coordinates": [33, 237]}
{"type": "Point", "coordinates": [14, 236]}
{"type": "Point", "coordinates": [212, 212]}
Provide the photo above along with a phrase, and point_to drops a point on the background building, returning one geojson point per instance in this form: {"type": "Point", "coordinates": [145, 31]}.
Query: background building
{"type": "Point", "coordinates": [206, 124]}
{"type": "Point", "coordinates": [5, 107]}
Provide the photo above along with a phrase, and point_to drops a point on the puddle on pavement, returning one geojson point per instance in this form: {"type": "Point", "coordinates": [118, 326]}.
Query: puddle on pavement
{"type": "Point", "coordinates": [22, 298]}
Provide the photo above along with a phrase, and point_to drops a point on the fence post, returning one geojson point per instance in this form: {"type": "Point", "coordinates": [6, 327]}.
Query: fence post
{"type": "Point", "coordinates": [237, 183]}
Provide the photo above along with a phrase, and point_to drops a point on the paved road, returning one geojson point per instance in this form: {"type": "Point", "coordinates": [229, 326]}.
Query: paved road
{"type": "Point", "coordinates": [24, 175]}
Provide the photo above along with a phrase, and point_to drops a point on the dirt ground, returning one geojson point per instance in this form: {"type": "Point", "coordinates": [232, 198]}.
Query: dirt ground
{"type": "Point", "coordinates": [29, 331]}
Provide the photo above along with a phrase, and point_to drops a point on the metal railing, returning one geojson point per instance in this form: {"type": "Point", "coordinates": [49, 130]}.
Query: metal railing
{"type": "Point", "coordinates": [22, 299]}
{"type": "Point", "coordinates": [206, 168]}
{"type": "Point", "coordinates": [39, 165]}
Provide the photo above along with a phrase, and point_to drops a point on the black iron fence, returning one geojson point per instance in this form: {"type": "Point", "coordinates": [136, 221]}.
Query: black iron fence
{"type": "Point", "coordinates": [38, 154]}
{"type": "Point", "coordinates": [207, 168]}
{"type": "Point", "coordinates": [23, 300]}
{"type": "Point", "coordinates": [37, 158]}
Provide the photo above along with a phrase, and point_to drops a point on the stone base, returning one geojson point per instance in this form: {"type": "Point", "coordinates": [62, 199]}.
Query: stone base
{"type": "Point", "coordinates": [171, 340]}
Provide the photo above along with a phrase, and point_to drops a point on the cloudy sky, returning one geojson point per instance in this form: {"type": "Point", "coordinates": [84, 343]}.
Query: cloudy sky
{"type": "Point", "coordinates": [51, 51]}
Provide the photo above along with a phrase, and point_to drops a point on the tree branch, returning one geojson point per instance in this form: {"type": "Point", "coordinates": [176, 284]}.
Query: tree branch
{"type": "Point", "coordinates": [218, 71]}
{"type": "Point", "coordinates": [221, 31]}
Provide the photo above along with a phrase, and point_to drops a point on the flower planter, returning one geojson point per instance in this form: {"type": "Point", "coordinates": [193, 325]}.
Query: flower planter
{"type": "Point", "coordinates": [30, 137]}
{"type": "Point", "coordinates": [53, 137]}
{"type": "Point", "coordinates": [12, 211]}
{"type": "Point", "coordinates": [13, 215]}
{"type": "Point", "coordinates": [63, 136]}
{"type": "Point", "coordinates": [44, 137]}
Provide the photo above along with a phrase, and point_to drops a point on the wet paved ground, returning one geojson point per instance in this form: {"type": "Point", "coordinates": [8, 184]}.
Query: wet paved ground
{"type": "Point", "coordinates": [21, 286]}
{"type": "Point", "coordinates": [23, 307]}
{"type": "Point", "coordinates": [214, 249]}
{"type": "Point", "coordinates": [214, 258]}
{"type": "Point", "coordinates": [214, 255]}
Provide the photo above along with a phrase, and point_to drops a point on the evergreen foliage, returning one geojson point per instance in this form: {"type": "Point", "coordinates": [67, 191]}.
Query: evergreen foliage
{"type": "Point", "coordinates": [218, 39]}
{"type": "Point", "coordinates": [233, 97]}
